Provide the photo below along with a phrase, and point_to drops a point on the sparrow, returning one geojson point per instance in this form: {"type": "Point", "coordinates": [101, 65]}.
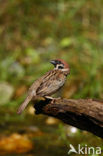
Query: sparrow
{"type": "Point", "coordinates": [48, 84]}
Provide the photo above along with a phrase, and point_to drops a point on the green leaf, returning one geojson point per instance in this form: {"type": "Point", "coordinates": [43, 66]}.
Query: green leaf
{"type": "Point", "coordinates": [65, 42]}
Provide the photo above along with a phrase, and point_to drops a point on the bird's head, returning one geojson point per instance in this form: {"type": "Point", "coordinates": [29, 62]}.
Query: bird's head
{"type": "Point", "coordinates": [60, 64]}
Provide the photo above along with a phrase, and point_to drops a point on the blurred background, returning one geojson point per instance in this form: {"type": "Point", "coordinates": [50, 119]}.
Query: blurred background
{"type": "Point", "coordinates": [31, 34]}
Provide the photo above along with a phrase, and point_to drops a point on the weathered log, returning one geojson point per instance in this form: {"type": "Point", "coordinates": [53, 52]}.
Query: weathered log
{"type": "Point", "coordinates": [85, 114]}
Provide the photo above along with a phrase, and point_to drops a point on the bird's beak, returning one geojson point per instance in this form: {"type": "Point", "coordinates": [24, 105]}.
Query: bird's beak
{"type": "Point", "coordinates": [53, 62]}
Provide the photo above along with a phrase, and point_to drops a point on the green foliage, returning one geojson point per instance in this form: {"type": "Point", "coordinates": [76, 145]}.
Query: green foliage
{"type": "Point", "coordinates": [33, 32]}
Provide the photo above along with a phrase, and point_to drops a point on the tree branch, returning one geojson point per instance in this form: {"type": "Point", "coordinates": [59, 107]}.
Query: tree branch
{"type": "Point", "coordinates": [85, 114]}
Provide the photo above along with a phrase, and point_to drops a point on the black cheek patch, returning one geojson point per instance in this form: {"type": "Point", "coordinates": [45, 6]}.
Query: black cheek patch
{"type": "Point", "coordinates": [60, 67]}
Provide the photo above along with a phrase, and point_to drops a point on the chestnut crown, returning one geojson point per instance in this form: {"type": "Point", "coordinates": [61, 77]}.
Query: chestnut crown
{"type": "Point", "coordinates": [60, 65]}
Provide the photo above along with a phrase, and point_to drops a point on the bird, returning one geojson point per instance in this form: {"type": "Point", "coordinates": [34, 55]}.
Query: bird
{"type": "Point", "coordinates": [48, 84]}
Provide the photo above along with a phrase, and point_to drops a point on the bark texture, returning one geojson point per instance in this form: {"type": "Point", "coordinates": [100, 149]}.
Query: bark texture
{"type": "Point", "coordinates": [85, 114]}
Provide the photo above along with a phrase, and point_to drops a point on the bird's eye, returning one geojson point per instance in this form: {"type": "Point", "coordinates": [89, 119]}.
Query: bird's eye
{"type": "Point", "coordinates": [60, 67]}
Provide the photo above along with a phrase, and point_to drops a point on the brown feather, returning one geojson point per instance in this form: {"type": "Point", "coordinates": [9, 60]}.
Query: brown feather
{"type": "Point", "coordinates": [44, 86]}
{"type": "Point", "coordinates": [51, 83]}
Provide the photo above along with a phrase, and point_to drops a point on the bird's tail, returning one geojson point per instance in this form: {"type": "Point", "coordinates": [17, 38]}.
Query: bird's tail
{"type": "Point", "coordinates": [24, 104]}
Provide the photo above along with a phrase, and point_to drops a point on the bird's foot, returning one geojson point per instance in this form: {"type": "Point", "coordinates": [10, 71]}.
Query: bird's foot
{"type": "Point", "coordinates": [52, 99]}
{"type": "Point", "coordinates": [49, 97]}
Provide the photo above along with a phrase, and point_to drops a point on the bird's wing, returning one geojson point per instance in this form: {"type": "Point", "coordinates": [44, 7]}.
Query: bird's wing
{"type": "Point", "coordinates": [31, 94]}
{"type": "Point", "coordinates": [34, 87]}
{"type": "Point", "coordinates": [52, 81]}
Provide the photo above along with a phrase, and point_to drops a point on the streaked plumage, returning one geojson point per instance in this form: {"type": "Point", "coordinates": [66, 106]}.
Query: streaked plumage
{"type": "Point", "coordinates": [48, 84]}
